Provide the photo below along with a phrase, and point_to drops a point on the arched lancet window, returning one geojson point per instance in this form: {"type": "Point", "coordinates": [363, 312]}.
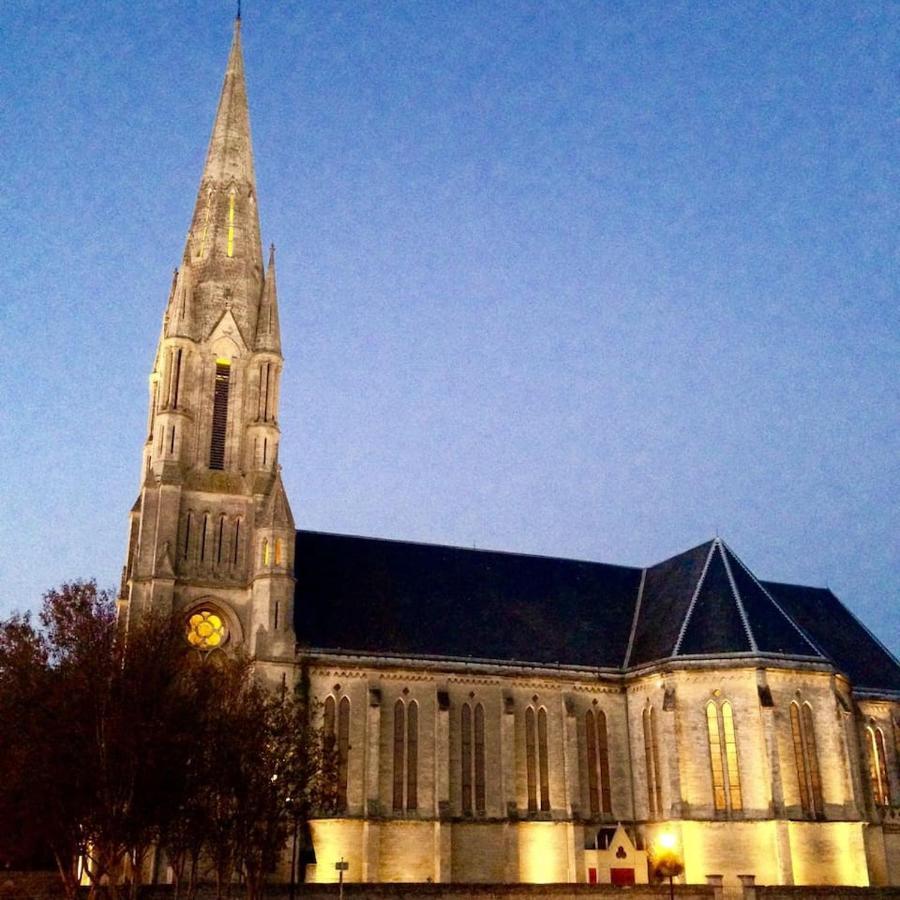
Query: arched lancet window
{"type": "Point", "coordinates": [806, 760]}
{"type": "Point", "coordinates": [537, 762]}
{"type": "Point", "coordinates": [531, 758]}
{"type": "Point", "coordinates": [651, 761]}
{"type": "Point", "coordinates": [480, 798]}
{"type": "Point", "coordinates": [406, 755]}
{"type": "Point", "coordinates": [343, 744]}
{"type": "Point", "coordinates": [186, 546]}
{"type": "Point", "coordinates": [723, 758]}
{"type": "Point", "coordinates": [220, 414]}
{"type": "Point", "coordinates": [597, 762]}
{"type": "Point", "coordinates": [878, 773]}
{"type": "Point", "coordinates": [543, 760]}
{"type": "Point", "coordinates": [204, 531]}
{"type": "Point", "coordinates": [265, 376]}
{"type": "Point", "coordinates": [412, 756]}
{"type": "Point", "coordinates": [205, 231]}
{"type": "Point", "coordinates": [473, 780]}
{"type": "Point", "coordinates": [220, 540]}
{"type": "Point", "coordinates": [466, 735]}
{"type": "Point", "coordinates": [237, 542]}
{"type": "Point", "coordinates": [265, 553]}
{"type": "Point", "coordinates": [336, 727]}
{"type": "Point", "coordinates": [279, 552]}
{"type": "Point", "coordinates": [173, 377]}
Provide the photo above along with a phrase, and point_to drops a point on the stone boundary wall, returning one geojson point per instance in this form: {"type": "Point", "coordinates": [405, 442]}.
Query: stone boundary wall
{"type": "Point", "coordinates": [825, 892]}
{"type": "Point", "coordinates": [46, 886]}
{"type": "Point", "coordinates": [429, 891]}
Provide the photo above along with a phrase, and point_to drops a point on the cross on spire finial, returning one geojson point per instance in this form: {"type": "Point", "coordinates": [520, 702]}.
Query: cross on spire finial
{"type": "Point", "coordinates": [239, 10]}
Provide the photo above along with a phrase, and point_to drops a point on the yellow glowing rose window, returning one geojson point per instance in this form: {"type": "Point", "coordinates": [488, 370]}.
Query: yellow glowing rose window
{"type": "Point", "coordinates": [206, 630]}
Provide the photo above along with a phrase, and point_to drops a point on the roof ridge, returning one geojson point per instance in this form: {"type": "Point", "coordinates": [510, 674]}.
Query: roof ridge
{"type": "Point", "coordinates": [737, 597]}
{"type": "Point", "coordinates": [388, 540]}
{"type": "Point", "coordinates": [634, 620]}
{"type": "Point", "coordinates": [693, 603]}
{"type": "Point", "coordinates": [777, 605]}
{"type": "Point", "coordinates": [662, 562]}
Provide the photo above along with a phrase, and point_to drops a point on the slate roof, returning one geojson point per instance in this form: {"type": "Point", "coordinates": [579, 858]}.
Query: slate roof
{"type": "Point", "coordinates": [842, 637]}
{"type": "Point", "coordinates": [380, 596]}
{"type": "Point", "coordinates": [706, 602]}
{"type": "Point", "coordinates": [383, 597]}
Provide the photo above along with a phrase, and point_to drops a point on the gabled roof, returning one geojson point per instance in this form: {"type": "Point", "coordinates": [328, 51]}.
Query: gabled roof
{"type": "Point", "coordinates": [379, 596]}
{"type": "Point", "coordinates": [397, 598]}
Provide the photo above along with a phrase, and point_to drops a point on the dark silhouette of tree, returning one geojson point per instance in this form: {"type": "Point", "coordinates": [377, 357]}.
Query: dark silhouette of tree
{"type": "Point", "coordinates": [114, 743]}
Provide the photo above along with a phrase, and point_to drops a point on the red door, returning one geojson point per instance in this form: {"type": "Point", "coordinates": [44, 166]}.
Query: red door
{"type": "Point", "coordinates": [621, 876]}
{"type": "Point", "coordinates": [592, 875]}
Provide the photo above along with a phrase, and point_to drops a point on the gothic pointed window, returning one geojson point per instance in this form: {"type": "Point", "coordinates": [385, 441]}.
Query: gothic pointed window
{"type": "Point", "coordinates": [723, 758]}
{"type": "Point", "coordinates": [220, 539]}
{"type": "Point", "coordinates": [406, 756]}
{"type": "Point", "coordinates": [878, 773]}
{"type": "Point", "coordinates": [531, 758]}
{"type": "Point", "coordinates": [220, 414]}
{"type": "Point", "coordinates": [336, 733]}
{"type": "Point", "coordinates": [412, 756]}
{"type": "Point", "coordinates": [186, 546]}
{"type": "Point", "coordinates": [480, 798]}
{"type": "Point", "coordinates": [543, 759]}
{"type": "Point", "coordinates": [205, 231]}
{"type": "Point", "coordinates": [806, 760]}
{"type": "Point", "coordinates": [236, 545]}
{"type": "Point", "coordinates": [466, 735]}
{"type": "Point", "coordinates": [204, 533]}
{"type": "Point", "coordinates": [537, 762]}
{"type": "Point", "coordinates": [597, 747]}
{"type": "Point", "coordinates": [651, 761]}
{"type": "Point", "coordinates": [343, 747]}
{"type": "Point", "coordinates": [473, 775]}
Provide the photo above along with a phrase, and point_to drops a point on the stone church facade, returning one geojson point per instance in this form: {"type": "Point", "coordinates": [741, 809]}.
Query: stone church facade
{"type": "Point", "coordinates": [498, 717]}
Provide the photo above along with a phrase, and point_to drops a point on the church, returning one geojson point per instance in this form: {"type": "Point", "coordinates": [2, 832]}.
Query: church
{"type": "Point", "coordinates": [498, 717]}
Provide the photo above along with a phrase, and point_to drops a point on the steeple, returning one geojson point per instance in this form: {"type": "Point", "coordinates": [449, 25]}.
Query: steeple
{"type": "Point", "coordinates": [212, 529]}
{"type": "Point", "coordinates": [223, 245]}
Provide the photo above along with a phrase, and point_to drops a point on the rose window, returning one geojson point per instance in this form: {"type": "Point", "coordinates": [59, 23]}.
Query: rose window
{"type": "Point", "coordinates": [206, 630]}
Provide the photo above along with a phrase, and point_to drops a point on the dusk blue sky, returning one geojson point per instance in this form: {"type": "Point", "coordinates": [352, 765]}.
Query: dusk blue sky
{"type": "Point", "coordinates": [584, 279]}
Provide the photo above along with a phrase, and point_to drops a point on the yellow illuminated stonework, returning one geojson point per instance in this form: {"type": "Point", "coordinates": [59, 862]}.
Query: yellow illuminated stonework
{"type": "Point", "coordinates": [206, 630]}
{"type": "Point", "coordinates": [231, 224]}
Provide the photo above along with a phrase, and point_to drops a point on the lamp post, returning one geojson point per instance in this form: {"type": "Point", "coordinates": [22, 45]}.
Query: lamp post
{"type": "Point", "coordinates": [341, 868]}
{"type": "Point", "coordinates": [666, 859]}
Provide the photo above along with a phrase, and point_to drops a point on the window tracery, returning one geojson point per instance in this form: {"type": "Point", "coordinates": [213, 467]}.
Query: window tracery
{"type": "Point", "coordinates": [597, 762]}
{"type": "Point", "coordinates": [726, 779]}
{"type": "Point", "coordinates": [806, 759]}
{"type": "Point", "coordinates": [406, 755]}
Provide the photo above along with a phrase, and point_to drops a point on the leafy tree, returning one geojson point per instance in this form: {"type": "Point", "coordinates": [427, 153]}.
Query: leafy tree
{"type": "Point", "coordinates": [115, 742]}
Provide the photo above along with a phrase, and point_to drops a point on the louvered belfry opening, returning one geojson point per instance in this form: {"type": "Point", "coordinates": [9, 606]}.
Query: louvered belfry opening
{"type": "Point", "coordinates": [220, 415]}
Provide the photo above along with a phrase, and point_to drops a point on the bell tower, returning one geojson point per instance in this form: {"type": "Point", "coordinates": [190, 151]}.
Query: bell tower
{"type": "Point", "coordinates": [211, 533]}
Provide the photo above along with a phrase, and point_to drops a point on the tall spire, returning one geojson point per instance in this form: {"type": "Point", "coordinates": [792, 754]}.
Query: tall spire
{"type": "Point", "coordinates": [268, 331]}
{"type": "Point", "coordinates": [224, 246]}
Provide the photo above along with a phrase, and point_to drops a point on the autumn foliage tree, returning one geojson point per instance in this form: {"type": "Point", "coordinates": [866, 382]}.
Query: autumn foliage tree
{"type": "Point", "coordinates": [114, 745]}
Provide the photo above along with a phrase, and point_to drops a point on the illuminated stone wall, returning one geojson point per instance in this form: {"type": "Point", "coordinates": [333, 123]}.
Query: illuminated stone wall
{"type": "Point", "coordinates": [768, 836]}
